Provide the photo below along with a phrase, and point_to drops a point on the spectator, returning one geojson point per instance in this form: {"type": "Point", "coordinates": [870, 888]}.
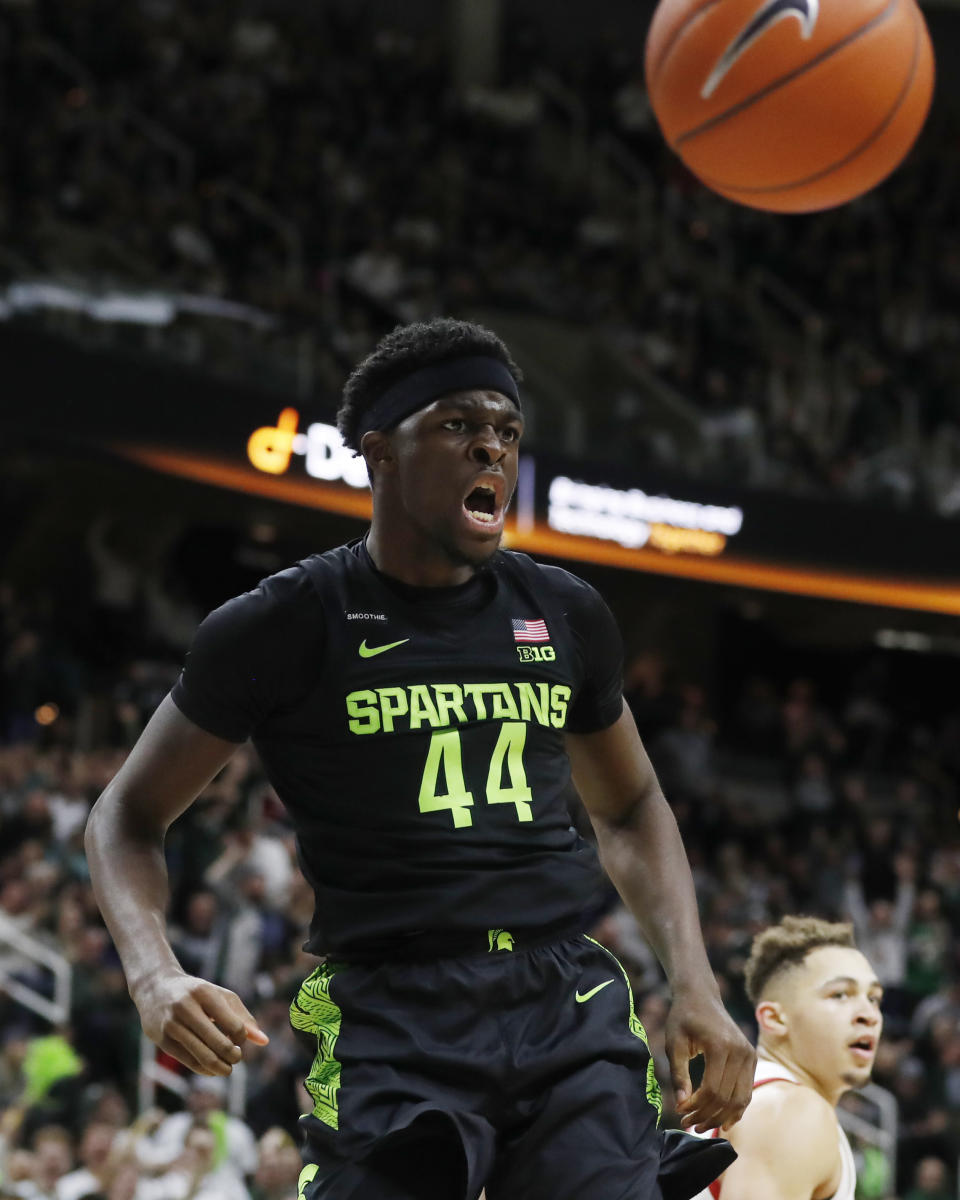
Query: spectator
{"type": "Point", "coordinates": [199, 942]}
{"type": "Point", "coordinates": [194, 1175]}
{"type": "Point", "coordinates": [931, 1181]}
{"type": "Point", "coordinates": [924, 1124]}
{"type": "Point", "coordinates": [928, 945]}
{"type": "Point", "coordinates": [940, 1007]}
{"type": "Point", "coordinates": [230, 1162]}
{"type": "Point", "coordinates": [881, 929]}
{"type": "Point", "coordinates": [53, 1151]}
{"type": "Point", "coordinates": [685, 749]}
{"type": "Point", "coordinates": [90, 1177]}
{"type": "Point", "coordinates": [251, 848]}
{"type": "Point", "coordinates": [278, 1167]}
{"type": "Point", "coordinates": [812, 791]}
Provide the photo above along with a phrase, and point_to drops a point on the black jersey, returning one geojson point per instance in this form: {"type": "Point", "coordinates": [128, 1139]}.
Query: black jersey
{"type": "Point", "coordinates": [415, 736]}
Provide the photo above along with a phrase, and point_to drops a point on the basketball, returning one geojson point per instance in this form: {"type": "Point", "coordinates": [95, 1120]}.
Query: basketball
{"type": "Point", "coordinates": [790, 105]}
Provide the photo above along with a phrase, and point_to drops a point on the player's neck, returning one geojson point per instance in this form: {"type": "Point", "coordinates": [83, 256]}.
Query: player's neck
{"type": "Point", "coordinates": [415, 561]}
{"type": "Point", "coordinates": [782, 1057]}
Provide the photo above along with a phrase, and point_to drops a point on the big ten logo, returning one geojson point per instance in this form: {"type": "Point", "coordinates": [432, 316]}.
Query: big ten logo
{"type": "Point", "coordinates": [537, 653]}
{"type": "Point", "coordinates": [270, 448]}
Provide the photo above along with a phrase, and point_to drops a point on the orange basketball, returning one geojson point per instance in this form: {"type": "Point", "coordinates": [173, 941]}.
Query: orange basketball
{"type": "Point", "coordinates": [790, 105]}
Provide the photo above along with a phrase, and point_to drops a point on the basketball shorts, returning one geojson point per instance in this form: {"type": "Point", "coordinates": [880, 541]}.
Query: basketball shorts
{"type": "Point", "coordinates": [522, 1070]}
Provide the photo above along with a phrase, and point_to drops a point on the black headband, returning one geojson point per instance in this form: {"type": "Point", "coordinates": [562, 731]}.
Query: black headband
{"type": "Point", "coordinates": [477, 373]}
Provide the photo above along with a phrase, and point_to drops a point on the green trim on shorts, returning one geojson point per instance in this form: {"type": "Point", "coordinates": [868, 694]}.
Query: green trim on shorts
{"type": "Point", "coordinates": [307, 1175]}
{"type": "Point", "coordinates": [314, 1012]}
{"type": "Point", "coordinates": [654, 1094]}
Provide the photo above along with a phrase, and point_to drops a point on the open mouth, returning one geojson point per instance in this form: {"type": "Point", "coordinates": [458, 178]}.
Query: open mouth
{"type": "Point", "coordinates": [482, 504]}
{"type": "Point", "coordinates": [863, 1047]}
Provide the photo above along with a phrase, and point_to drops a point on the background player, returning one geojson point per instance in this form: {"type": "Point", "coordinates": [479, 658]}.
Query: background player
{"type": "Point", "coordinates": [818, 1010]}
{"type": "Point", "coordinates": [420, 746]}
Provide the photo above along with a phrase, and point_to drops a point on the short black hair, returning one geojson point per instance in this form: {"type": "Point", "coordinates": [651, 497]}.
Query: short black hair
{"type": "Point", "coordinates": [406, 349]}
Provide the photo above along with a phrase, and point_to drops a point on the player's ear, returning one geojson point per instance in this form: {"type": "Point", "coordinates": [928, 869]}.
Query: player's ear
{"type": "Point", "coordinates": [771, 1018]}
{"type": "Point", "coordinates": [376, 450]}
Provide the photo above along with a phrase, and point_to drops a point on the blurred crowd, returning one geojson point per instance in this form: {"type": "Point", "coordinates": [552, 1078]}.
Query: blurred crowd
{"type": "Point", "coordinates": [843, 805]}
{"type": "Point", "coordinates": [795, 793]}
{"type": "Point", "coordinates": [275, 155]}
{"type": "Point", "coordinates": [199, 1151]}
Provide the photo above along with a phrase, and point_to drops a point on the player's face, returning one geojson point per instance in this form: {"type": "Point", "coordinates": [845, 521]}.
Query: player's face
{"type": "Point", "coordinates": [832, 1005]}
{"type": "Point", "coordinates": [456, 472]}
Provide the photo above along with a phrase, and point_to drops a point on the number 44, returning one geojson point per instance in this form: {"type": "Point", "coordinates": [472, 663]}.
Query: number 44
{"type": "Point", "coordinates": [445, 752]}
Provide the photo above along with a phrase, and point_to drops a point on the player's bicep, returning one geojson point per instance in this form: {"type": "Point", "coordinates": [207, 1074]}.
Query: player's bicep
{"type": "Point", "coordinates": [758, 1179]}
{"type": "Point", "coordinates": [611, 769]}
{"type": "Point", "coordinates": [598, 697]}
{"type": "Point", "coordinates": [171, 763]}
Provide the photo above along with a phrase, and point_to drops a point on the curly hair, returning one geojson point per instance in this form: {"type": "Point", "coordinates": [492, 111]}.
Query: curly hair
{"type": "Point", "coordinates": [405, 349]}
{"type": "Point", "coordinates": [787, 945]}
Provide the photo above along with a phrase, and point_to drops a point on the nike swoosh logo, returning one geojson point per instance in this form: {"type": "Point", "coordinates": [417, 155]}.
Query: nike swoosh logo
{"type": "Point", "coordinates": [768, 15]}
{"type": "Point", "coordinates": [593, 991]}
{"type": "Point", "coordinates": [371, 651]}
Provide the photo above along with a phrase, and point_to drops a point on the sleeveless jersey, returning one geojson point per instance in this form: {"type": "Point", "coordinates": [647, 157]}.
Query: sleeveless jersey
{"type": "Point", "coordinates": [416, 738]}
{"type": "Point", "coordinates": [771, 1072]}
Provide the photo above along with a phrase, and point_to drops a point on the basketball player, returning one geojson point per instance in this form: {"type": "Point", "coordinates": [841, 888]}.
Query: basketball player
{"type": "Point", "coordinates": [818, 1011]}
{"type": "Point", "coordinates": [418, 699]}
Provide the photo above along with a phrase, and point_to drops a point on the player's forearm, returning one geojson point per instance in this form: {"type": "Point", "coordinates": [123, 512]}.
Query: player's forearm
{"type": "Point", "coordinates": [129, 877]}
{"type": "Point", "coordinates": [644, 856]}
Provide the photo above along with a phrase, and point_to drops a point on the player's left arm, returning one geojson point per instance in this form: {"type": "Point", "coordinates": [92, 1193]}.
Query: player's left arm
{"type": "Point", "coordinates": [786, 1146]}
{"type": "Point", "coordinates": [643, 854]}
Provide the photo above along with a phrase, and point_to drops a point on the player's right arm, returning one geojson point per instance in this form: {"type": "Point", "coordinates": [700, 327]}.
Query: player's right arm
{"type": "Point", "coordinates": [200, 1024]}
{"type": "Point", "coordinates": [251, 656]}
{"type": "Point", "coordinates": [787, 1147]}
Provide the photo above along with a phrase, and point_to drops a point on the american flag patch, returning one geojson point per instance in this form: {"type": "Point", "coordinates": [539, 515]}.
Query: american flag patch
{"type": "Point", "coordinates": [530, 631]}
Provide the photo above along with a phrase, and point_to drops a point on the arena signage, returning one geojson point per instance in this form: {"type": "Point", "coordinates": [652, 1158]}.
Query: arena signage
{"type": "Point", "coordinates": [600, 512]}
{"type": "Point", "coordinates": [271, 447]}
{"type": "Point", "coordinates": [629, 517]}
{"type": "Point", "coordinates": [634, 519]}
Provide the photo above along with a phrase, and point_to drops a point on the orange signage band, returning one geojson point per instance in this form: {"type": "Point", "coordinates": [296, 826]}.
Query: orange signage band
{"type": "Point", "coordinates": [887, 592]}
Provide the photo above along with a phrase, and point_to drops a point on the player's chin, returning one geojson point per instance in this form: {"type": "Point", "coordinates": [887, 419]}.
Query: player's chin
{"type": "Point", "coordinates": [481, 550]}
{"type": "Point", "coordinates": [858, 1077]}
{"type": "Point", "coordinates": [477, 547]}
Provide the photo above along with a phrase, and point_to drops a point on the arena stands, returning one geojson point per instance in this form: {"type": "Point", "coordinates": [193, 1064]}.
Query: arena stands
{"type": "Point", "coordinates": [261, 194]}
{"type": "Point", "coordinates": [829, 792]}
{"type": "Point", "coordinates": [275, 160]}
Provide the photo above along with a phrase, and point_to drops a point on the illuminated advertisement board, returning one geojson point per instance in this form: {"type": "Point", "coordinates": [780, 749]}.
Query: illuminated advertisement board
{"type": "Point", "coordinates": [580, 510]}
{"type": "Point", "coordinates": [598, 513]}
{"type": "Point", "coordinates": [628, 517]}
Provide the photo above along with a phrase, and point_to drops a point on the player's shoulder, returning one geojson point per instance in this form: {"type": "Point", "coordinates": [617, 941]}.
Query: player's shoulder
{"type": "Point", "coordinates": [281, 608]}
{"type": "Point", "coordinates": [563, 583]}
{"type": "Point", "coordinates": [787, 1114]}
{"type": "Point", "coordinates": [275, 597]}
{"type": "Point", "coordinates": [786, 1144]}
{"type": "Point", "coordinates": [254, 656]}
{"type": "Point", "coordinates": [337, 561]}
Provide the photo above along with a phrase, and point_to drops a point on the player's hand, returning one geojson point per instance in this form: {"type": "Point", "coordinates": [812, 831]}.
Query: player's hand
{"type": "Point", "coordinates": [202, 1025]}
{"type": "Point", "coordinates": [699, 1024]}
